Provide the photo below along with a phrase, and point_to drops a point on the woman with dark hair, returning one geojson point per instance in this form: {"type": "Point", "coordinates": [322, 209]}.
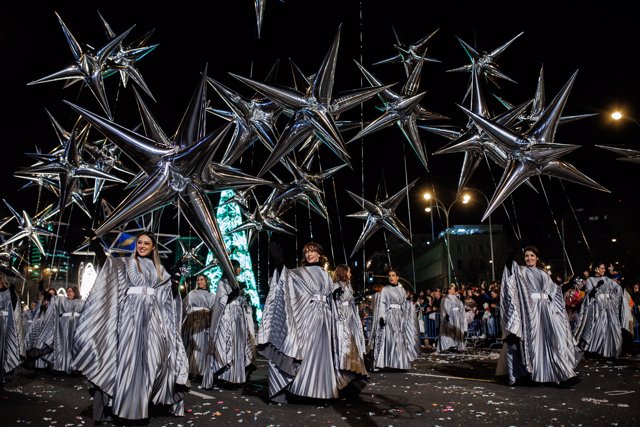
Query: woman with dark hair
{"type": "Point", "coordinates": [10, 329]}
{"type": "Point", "coordinates": [538, 344]}
{"type": "Point", "coordinates": [350, 344]}
{"type": "Point", "coordinates": [197, 306]}
{"type": "Point", "coordinates": [55, 338]}
{"type": "Point", "coordinates": [453, 322]}
{"type": "Point", "coordinates": [601, 316]}
{"type": "Point", "coordinates": [295, 334]}
{"type": "Point", "coordinates": [395, 338]}
{"type": "Point", "coordinates": [128, 341]}
{"type": "Point", "coordinates": [232, 340]}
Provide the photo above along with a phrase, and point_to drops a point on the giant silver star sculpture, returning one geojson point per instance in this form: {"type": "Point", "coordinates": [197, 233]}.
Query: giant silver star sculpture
{"type": "Point", "coordinates": [410, 55]}
{"type": "Point", "coordinates": [90, 66]}
{"type": "Point", "coordinates": [533, 152]}
{"type": "Point", "coordinates": [380, 214]}
{"type": "Point", "coordinates": [313, 110]}
{"type": "Point", "coordinates": [402, 109]}
{"type": "Point", "coordinates": [28, 230]}
{"type": "Point", "coordinates": [174, 175]}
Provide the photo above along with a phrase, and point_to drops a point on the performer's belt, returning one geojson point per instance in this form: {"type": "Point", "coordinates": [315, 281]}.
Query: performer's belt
{"type": "Point", "coordinates": [71, 313]}
{"type": "Point", "coordinates": [346, 302]}
{"type": "Point", "coordinates": [539, 295]}
{"type": "Point", "coordinates": [397, 306]}
{"type": "Point", "coordinates": [4, 313]}
{"type": "Point", "coordinates": [199, 308]}
{"type": "Point", "coordinates": [455, 308]}
{"type": "Point", "coordinates": [319, 297]}
{"type": "Point", "coordinates": [603, 296]}
{"type": "Point", "coordinates": [140, 290]}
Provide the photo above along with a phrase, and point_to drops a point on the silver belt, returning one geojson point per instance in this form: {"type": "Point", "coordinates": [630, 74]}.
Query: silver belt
{"type": "Point", "coordinates": [199, 309]}
{"type": "Point", "coordinates": [319, 297]}
{"type": "Point", "coordinates": [539, 295]}
{"type": "Point", "coordinates": [346, 302]}
{"type": "Point", "coordinates": [397, 306]}
{"type": "Point", "coordinates": [141, 290]}
{"type": "Point", "coordinates": [71, 313]}
{"type": "Point", "coordinates": [603, 296]}
{"type": "Point", "coordinates": [4, 313]}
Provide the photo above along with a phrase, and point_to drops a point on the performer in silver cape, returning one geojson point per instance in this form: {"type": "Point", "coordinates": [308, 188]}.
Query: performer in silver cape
{"type": "Point", "coordinates": [128, 341]}
{"type": "Point", "coordinates": [197, 308]}
{"type": "Point", "coordinates": [56, 335]}
{"type": "Point", "coordinates": [453, 322]}
{"type": "Point", "coordinates": [350, 347]}
{"type": "Point", "coordinates": [232, 348]}
{"type": "Point", "coordinates": [10, 330]}
{"type": "Point", "coordinates": [395, 339]}
{"type": "Point", "coordinates": [295, 334]}
{"type": "Point", "coordinates": [601, 316]}
{"type": "Point", "coordinates": [538, 344]}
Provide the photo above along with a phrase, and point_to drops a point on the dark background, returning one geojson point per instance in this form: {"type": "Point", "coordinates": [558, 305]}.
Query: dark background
{"type": "Point", "coordinates": [599, 42]}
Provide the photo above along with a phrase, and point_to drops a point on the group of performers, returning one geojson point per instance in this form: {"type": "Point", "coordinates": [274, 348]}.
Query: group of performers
{"type": "Point", "coordinates": [139, 343]}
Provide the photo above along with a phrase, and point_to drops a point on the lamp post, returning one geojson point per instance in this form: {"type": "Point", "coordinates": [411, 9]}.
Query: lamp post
{"type": "Point", "coordinates": [438, 204]}
{"type": "Point", "coordinates": [493, 267]}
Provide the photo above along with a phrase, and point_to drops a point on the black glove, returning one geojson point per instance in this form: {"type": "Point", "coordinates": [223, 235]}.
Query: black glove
{"type": "Point", "coordinates": [511, 339]}
{"type": "Point", "coordinates": [382, 322]}
{"type": "Point", "coordinates": [446, 318]}
{"type": "Point", "coordinates": [358, 298]}
{"type": "Point", "coordinates": [337, 293]}
{"type": "Point", "coordinates": [235, 293]}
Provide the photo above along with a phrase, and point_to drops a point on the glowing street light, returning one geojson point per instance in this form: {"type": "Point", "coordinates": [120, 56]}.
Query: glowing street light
{"type": "Point", "coordinates": [618, 115]}
{"type": "Point", "coordinates": [439, 205]}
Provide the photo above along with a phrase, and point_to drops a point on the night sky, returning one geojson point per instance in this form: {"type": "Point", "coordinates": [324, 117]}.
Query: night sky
{"type": "Point", "coordinates": [599, 44]}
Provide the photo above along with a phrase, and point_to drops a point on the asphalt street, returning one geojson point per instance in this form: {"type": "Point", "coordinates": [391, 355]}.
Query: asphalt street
{"type": "Point", "coordinates": [440, 390]}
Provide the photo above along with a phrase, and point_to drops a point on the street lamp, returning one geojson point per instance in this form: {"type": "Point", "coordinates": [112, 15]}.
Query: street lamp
{"type": "Point", "coordinates": [618, 115]}
{"type": "Point", "coordinates": [438, 204]}
{"type": "Point", "coordinates": [468, 197]}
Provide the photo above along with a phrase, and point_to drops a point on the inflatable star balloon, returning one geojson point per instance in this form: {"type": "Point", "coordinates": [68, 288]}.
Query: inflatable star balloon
{"type": "Point", "coordinates": [486, 61]}
{"type": "Point", "coordinates": [305, 188]}
{"type": "Point", "coordinates": [402, 109]}
{"type": "Point", "coordinates": [629, 155]}
{"type": "Point", "coordinates": [174, 175]}
{"type": "Point", "coordinates": [474, 143]}
{"type": "Point", "coordinates": [28, 230]}
{"type": "Point", "coordinates": [123, 59]}
{"type": "Point", "coordinates": [533, 152]}
{"type": "Point", "coordinates": [90, 66]}
{"type": "Point", "coordinates": [265, 217]}
{"type": "Point", "coordinates": [410, 55]}
{"type": "Point", "coordinates": [312, 110]}
{"type": "Point", "coordinates": [538, 104]}
{"type": "Point", "coordinates": [254, 119]}
{"type": "Point", "coordinates": [380, 214]}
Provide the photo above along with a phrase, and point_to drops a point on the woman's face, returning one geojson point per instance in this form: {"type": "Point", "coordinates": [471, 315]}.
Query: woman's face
{"type": "Point", "coordinates": [636, 288]}
{"type": "Point", "coordinates": [451, 291]}
{"type": "Point", "coordinates": [201, 282]}
{"type": "Point", "coordinates": [349, 274]}
{"type": "Point", "coordinates": [393, 278]}
{"type": "Point", "coordinates": [530, 259]}
{"type": "Point", "coordinates": [70, 293]}
{"type": "Point", "coordinates": [311, 255]}
{"type": "Point", "coordinates": [600, 270]}
{"type": "Point", "coordinates": [144, 246]}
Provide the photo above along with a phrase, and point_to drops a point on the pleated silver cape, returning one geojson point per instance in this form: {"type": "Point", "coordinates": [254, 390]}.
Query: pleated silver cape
{"type": "Point", "coordinates": [233, 339]}
{"type": "Point", "coordinates": [295, 335]}
{"type": "Point", "coordinates": [349, 335]}
{"type": "Point", "coordinates": [601, 317]}
{"type": "Point", "coordinates": [533, 309]}
{"type": "Point", "coordinates": [57, 331]}
{"type": "Point", "coordinates": [453, 324]}
{"type": "Point", "coordinates": [397, 344]}
{"type": "Point", "coordinates": [10, 334]}
{"type": "Point", "coordinates": [129, 344]}
{"type": "Point", "coordinates": [197, 307]}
